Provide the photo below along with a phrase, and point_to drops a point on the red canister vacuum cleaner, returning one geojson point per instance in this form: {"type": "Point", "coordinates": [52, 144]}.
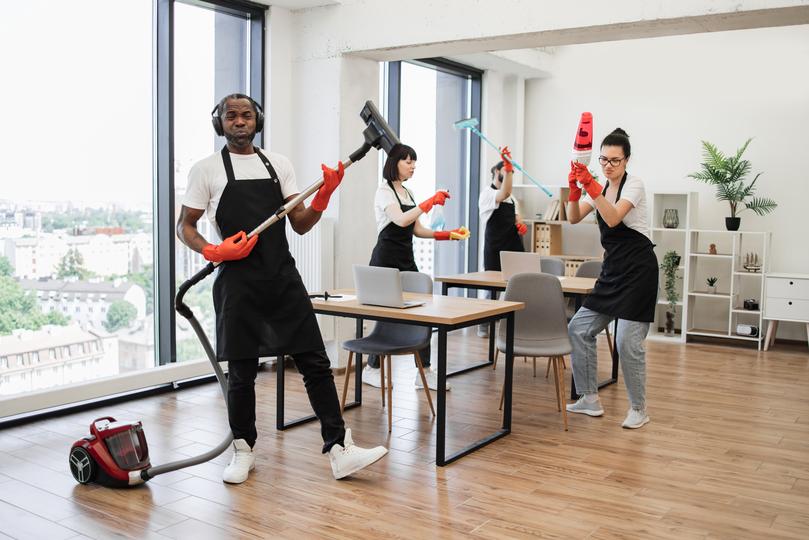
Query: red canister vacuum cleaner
{"type": "Point", "coordinates": [115, 453]}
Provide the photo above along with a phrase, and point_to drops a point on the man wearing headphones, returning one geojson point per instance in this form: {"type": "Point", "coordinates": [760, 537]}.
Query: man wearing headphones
{"type": "Point", "coordinates": [262, 306]}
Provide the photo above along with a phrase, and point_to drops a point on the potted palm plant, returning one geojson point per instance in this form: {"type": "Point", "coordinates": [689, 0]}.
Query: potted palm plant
{"type": "Point", "coordinates": [711, 282]}
{"type": "Point", "coordinates": [728, 174]}
{"type": "Point", "coordinates": [671, 261]}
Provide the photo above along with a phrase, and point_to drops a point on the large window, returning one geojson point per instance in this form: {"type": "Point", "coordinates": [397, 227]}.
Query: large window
{"type": "Point", "coordinates": [105, 115]}
{"type": "Point", "coordinates": [424, 100]}
{"type": "Point", "coordinates": [76, 221]}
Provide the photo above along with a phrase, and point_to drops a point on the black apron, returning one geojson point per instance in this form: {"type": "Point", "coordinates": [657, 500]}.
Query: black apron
{"type": "Point", "coordinates": [394, 245]}
{"type": "Point", "coordinates": [627, 286]}
{"type": "Point", "coordinates": [501, 235]}
{"type": "Point", "coordinates": [262, 307]}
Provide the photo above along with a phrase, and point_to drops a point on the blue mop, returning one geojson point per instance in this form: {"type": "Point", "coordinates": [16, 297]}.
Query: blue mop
{"type": "Point", "coordinates": [472, 125]}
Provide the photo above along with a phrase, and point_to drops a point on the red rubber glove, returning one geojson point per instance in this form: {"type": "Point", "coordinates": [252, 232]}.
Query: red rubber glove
{"type": "Point", "coordinates": [575, 190]}
{"type": "Point", "coordinates": [522, 228]}
{"type": "Point", "coordinates": [593, 188]}
{"type": "Point", "coordinates": [331, 179]}
{"type": "Point", "coordinates": [439, 198]}
{"type": "Point", "coordinates": [232, 248]}
{"type": "Point", "coordinates": [505, 155]}
{"type": "Point", "coordinates": [461, 233]}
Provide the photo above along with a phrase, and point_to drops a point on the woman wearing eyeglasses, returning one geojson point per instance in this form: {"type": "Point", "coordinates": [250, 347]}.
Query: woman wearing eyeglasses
{"type": "Point", "coordinates": [627, 287]}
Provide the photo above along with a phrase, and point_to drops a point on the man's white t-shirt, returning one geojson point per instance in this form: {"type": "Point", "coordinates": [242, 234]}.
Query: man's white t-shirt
{"type": "Point", "coordinates": [487, 204]}
{"type": "Point", "coordinates": [635, 192]}
{"type": "Point", "coordinates": [207, 179]}
{"type": "Point", "coordinates": [385, 197]}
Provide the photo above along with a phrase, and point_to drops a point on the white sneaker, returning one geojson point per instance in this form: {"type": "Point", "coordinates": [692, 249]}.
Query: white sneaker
{"type": "Point", "coordinates": [432, 380]}
{"type": "Point", "coordinates": [242, 462]}
{"type": "Point", "coordinates": [370, 376]}
{"type": "Point", "coordinates": [349, 458]}
{"type": "Point", "coordinates": [584, 407]}
{"type": "Point", "coordinates": [635, 418]}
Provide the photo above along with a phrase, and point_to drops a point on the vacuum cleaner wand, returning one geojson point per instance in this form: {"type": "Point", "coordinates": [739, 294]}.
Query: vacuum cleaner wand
{"type": "Point", "coordinates": [472, 125]}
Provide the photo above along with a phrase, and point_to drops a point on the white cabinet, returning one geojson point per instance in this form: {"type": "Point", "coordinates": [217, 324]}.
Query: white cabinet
{"type": "Point", "coordinates": [787, 299]}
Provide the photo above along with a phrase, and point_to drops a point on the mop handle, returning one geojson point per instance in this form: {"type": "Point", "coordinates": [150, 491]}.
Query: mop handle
{"type": "Point", "coordinates": [513, 162]}
{"type": "Point", "coordinates": [287, 208]}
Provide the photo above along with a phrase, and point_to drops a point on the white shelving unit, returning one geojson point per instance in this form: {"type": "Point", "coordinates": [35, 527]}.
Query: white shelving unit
{"type": "Point", "coordinates": [717, 314]}
{"type": "Point", "coordinates": [677, 239]}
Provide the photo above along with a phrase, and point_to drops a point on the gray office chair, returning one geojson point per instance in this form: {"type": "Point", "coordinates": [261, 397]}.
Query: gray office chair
{"type": "Point", "coordinates": [387, 339]}
{"type": "Point", "coordinates": [552, 266]}
{"type": "Point", "coordinates": [540, 330]}
{"type": "Point", "coordinates": [588, 269]}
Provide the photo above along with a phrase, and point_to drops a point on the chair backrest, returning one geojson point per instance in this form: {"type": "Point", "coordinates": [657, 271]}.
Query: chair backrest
{"type": "Point", "coordinates": [518, 262]}
{"type": "Point", "coordinates": [553, 266]}
{"type": "Point", "coordinates": [544, 315]}
{"type": "Point", "coordinates": [589, 269]}
{"type": "Point", "coordinates": [415, 282]}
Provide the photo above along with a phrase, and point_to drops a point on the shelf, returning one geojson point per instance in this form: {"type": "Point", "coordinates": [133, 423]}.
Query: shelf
{"type": "Point", "coordinates": [709, 333]}
{"type": "Point", "coordinates": [712, 231]}
{"type": "Point", "coordinates": [717, 256]}
{"type": "Point", "coordinates": [750, 311]}
{"type": "Point", "coordinates": [655, 229]}
{"type": "Point", "coordinates": [709, 295]}
{"type": "Point", "coordinates": [759, 274]}
{"type": "Point", "coordinates": [665, 303]}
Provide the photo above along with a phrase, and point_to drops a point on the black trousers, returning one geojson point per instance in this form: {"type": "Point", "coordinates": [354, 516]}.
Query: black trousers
{"type": "Point", "coordinates": [319, 381]}
{"type": "Point", "coordinates": [373, 360]}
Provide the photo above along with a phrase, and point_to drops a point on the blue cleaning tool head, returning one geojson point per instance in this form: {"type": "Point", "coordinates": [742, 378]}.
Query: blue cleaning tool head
{"type": "Point", "coordinates": [466, 123]}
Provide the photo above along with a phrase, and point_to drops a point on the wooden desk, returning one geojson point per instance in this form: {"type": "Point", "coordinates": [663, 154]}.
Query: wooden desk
{"type": "Point", "coordinates": [492, 280]}
{"type": "Point", "coordinates": [445, 313]}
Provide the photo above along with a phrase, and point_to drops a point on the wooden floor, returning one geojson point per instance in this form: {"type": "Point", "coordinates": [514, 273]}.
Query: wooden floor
{"type": "Point", "coordinates": [725, 456]}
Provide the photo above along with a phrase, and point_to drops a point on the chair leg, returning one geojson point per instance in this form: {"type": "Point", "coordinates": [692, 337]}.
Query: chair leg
{"type": "Point", "coordinates": [382, 377]}
{"type": "Point", "coordinates": [390, 395]}
{"type": "Point", "coordinates": [496, 353]}
{"type": "Point", "coordinates": [347, 379]}
{"type": "Point", "coordinates": [417, 356]}
{"type": "Point", "coordinates": [535, 365]}
{"type": "Point", "coordinates": [502, 394]}
{"type": "Point", "coordinates": [609, 342]}
{"type": "Point", "coordinates": [562, 391]}
{"type": "Point", "coordinates": [548, 368]}
{"type": "Point", "coordinates": [559, 403]}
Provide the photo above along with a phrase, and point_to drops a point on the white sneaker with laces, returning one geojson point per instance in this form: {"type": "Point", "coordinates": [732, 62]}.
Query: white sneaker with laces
{"type": "Point", "coordinates": [635, 418]}
{"type": "Point", "coordinates": [242, 462]}
{"type": "Point", "coordinates": [349, 458]}
{"type": "Point", "coordinates": [370, 376]}
{"type": "Point", "coordinates": [583, 406]}
{"type": "Point", "coordinates": [432, 380]}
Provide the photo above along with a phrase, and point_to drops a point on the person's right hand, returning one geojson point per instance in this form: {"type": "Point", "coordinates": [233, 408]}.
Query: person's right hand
{"type": "Point", "coordinates": [439, 198]}
{"type": "Point", "coordinates": [575, 190]}
{"type": "Point", "coordinates": [232, 248]}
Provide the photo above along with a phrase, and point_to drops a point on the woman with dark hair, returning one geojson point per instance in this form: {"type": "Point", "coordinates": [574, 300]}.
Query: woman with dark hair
{"type": "Point", "coordinates": [397, 221]}
{"type": "Point", "coordinates": [498, 214]}
{"type": "Point", "coordinates": [626, 290]}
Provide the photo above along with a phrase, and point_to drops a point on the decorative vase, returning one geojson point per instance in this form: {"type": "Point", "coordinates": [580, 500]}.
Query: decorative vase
{"type": "Point", "coordinates": [732, 223]}
{"type": "Point", "coordinates": [712, 289]}
{"type": "Point", "coordinates": [671, 220]}
{"type": "Point", "coordinates": [669, 324]}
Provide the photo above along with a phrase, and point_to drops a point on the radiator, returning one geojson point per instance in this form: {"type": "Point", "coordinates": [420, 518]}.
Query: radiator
{"type": "Point", "coordinates": [314, 257]}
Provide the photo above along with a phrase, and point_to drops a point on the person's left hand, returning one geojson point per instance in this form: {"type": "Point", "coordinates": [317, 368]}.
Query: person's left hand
{"type": "Point", "coordinates": [583, 176]}
{"type": "Point", "coordinates": [331, 179]}
{"type": "Point", "coordinates": [505, 155]}
{"type": "Point", "coordinates": [522, 228]}
{"type": "Point", "coordinates": [461, 233]}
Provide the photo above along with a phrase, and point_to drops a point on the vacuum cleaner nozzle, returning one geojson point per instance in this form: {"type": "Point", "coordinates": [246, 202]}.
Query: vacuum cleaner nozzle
{"type": "Point", "coordinates": [377, 133]}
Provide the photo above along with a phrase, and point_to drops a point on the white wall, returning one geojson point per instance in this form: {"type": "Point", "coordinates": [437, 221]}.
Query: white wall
{"type": "Point", "coordinates": [669, 93]}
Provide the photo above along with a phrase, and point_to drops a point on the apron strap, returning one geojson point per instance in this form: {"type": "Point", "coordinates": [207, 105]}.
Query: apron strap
{"type": "Point", "coordinates": [229, 164]}
{"type": "Point", "coordinates": [397, 195]}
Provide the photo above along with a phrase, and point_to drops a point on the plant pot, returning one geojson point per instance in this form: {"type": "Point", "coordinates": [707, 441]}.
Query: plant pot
{"type": "Point", "coordinates": [712, 289]}
{"type": "Point", "coordinates": [732, 223]}
{"type": "Point", "coordinates": [669, 324]}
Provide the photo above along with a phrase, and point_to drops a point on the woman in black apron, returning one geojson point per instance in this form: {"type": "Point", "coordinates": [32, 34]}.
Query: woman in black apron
{"type": "Point", "coordinates": [503, 227]}
{"type": "Point", "coordinates": [397, 217]}
{"type": "Point", "coordinates": [627, 287]}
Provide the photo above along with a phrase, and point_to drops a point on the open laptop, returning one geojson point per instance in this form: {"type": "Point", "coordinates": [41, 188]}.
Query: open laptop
{"type": "Point", "coordinates": [379, 286]}
{"type": "Point", "coordinates": [519, 262]}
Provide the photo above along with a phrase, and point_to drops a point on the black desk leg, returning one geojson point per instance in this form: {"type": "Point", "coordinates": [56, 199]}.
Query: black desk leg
{"type": "Point", "coordinates": [442, 398]}
{"type": "Point", "coordinates": [490, 361]}
{"type": "Point", "coordinates": [509, 371]}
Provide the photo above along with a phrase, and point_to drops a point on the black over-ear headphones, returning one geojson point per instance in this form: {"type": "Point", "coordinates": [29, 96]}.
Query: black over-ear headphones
{"type": "Point", "coordinates": [216, 113]}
